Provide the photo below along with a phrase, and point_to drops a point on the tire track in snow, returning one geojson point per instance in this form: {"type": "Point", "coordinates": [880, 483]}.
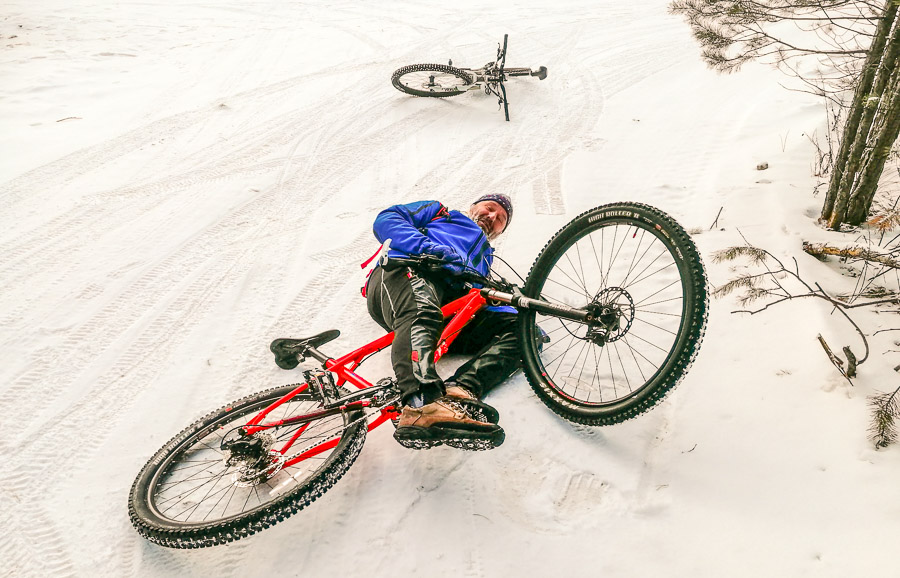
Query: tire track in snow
{"type": "Point", "coordinates": [202, 290]}
{"type": "Point", "coordinates": [37, 546]}
{"type": "Point", "coordinates": [355, 156]}
{"type": "Point", "coordinates": [350, 159]}
{"type": "Point", "coordinates": [135, 361]}
{"type": "Point", "coordinates": [59, 238]}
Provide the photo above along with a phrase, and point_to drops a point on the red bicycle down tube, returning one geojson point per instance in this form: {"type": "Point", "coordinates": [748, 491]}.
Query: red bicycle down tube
{"type": "Point", "coordinates": [462, 311]}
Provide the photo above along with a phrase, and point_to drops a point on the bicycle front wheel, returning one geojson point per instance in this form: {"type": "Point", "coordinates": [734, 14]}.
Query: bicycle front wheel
{"type": "Point", "coordinates": [193, 494]}
{"type": "Point", "coordinates": [640, 276]}
{"type": "Point", "coordinates": [438, 80]}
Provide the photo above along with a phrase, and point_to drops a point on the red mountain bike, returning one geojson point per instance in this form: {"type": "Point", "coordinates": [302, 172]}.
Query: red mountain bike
{"type": "Point", "coordinates": [609, 320]}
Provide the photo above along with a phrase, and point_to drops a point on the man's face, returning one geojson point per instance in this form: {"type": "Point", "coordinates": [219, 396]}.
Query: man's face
{"type": "Point", "coordinates": [490, 216]}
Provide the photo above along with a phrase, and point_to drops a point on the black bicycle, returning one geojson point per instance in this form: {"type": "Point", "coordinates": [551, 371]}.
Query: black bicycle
{"type": "Point", "coordinates": [443, 80]}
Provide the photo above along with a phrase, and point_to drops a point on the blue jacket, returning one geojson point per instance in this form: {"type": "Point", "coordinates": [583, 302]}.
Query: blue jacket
{"type": "Point", "coordinates": [414, 226]}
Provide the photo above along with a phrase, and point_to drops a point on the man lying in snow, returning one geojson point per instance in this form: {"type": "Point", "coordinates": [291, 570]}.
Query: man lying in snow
{"type": "Point", "coordinates": [408, 302]}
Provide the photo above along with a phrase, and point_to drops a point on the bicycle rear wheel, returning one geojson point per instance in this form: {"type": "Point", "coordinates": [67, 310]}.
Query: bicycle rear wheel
{"type": "Point", "coordinates": [190, 495]}
{"type": "Point", "coordinates": [437, 80]}
{"type": "Point", "coordinates": [639, 274]}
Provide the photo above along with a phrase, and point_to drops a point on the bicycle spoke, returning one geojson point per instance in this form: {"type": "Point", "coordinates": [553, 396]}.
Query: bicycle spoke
{"type": "Point", "coordinates": [189, 492]}
{"type": "Point", "coordinates": [574, 365]}
{"type": "Point", "coordinates": [597, 375]}
{"type": "Point", "coordinates": [648, 312]}
{"type": "Point", "coordinates": [216, 505]}
{"type": "Point", "coordinates": [649, 298]}
{"type": "Point", "coordinates": [201, 487]}
{"type": "Point", "coordinates": [562, 356]}
{"type": "Point", "coordinates": [637, 262]}
{"type": "Point", "coordinates": [612, 374]}
{"type": "Point", "coordinates": [654, 325]}
{"type": "Point", "coordinates": [578, 282]}
{"type": "Point", "coordinates": [604, 276]}
{"type": "Point", "coordinates": [634, 356]}
{"type": "Point", "coordinates": [598, 259]}
{"type": "Point", "coordinates": [587, 293]}
{"type": "Point", "coordinates": [636, 336]}
{"type": "Point", "coordinates": [672, 264]}
{"type": "Point", "coordinates": [676, 298]}
{"type": "Point", "coordinates": [192, 477]}
{"type": "Point", "coordinates": [660, 291]}
{"type": "Point", "coordinates": [198, 464]}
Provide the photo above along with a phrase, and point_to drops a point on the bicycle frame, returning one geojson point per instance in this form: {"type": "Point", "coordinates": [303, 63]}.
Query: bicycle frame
{"type": "Point", "coordinates": [493, 75]}
{"type": "Point", "coordinates": [461, 310]}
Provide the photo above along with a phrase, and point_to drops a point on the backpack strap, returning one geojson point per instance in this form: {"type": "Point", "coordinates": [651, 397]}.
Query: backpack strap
{"type": "Point", "coordinates": [443, 212]}
{"type": "Point", "coordinates": [370, 259]}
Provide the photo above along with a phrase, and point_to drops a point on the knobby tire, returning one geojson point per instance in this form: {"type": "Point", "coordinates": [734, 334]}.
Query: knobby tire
{"type": "Point", "coordinates": [408, 79]}
{"type": "Point", "coordinates": [660, 284]}
{"type": "Point", "coordinates": [152, 484]}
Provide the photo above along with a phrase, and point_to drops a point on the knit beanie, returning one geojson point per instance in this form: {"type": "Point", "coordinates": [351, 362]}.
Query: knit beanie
{"type": "Point", "coordinates": [501, 200]}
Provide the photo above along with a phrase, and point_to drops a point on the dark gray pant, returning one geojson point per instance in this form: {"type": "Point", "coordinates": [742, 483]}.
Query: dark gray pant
{"type": "Point", "coordinates": [410, 306]}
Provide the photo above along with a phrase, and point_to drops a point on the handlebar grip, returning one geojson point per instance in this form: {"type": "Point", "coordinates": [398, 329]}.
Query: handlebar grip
{"type": "Point", "coordinates": [430, 263]}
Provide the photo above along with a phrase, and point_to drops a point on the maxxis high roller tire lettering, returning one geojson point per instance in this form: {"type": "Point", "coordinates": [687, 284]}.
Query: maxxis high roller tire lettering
{"type": "Point", "coordinates": [667, 233]}
{"type": "Point", "coordinates": [169, 533]}
{"type": "Point", "coordinates": [397, 79]}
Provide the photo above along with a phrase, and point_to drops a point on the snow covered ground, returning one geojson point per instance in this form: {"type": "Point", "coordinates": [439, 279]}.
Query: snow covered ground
{"type": "Point", "coordinates": [182, 182]}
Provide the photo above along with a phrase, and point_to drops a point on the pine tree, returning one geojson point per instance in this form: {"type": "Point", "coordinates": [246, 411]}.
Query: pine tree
{"type": "Point", "coordinates": [857, 45]}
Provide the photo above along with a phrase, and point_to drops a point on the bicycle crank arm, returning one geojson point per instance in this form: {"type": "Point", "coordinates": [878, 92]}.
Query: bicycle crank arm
{"type": "Point", "coordinates": [521, 302]}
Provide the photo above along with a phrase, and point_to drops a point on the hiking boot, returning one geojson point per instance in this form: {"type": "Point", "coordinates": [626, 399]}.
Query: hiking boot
{"type": "Point", "coordinates": [475, 407]}
{"type": "Point", "coordinates": [445, 422]}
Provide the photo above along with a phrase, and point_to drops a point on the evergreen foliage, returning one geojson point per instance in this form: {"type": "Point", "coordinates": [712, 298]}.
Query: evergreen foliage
{"type": "Point", "coordinates": [885, 413]}
{"type": "Point", "coordinates": [855, 47]}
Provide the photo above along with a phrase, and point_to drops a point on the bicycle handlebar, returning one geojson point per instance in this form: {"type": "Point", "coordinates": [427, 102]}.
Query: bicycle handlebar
{"type": "Point", "coordinates": [434, 264]}
{"type": "Point", "coordinates": [502, 291]}
{"type": "Point", "coordinates": [501, 63]}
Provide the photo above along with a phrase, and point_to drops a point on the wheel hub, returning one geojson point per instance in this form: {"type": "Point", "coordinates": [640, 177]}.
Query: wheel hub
{"type": "Point", "coordinates": [252, 456]}
{"type": "Point", "coordinates": [612, 312]}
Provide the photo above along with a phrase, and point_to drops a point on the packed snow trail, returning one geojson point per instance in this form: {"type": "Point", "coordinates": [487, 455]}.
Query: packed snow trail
{"type": "Point", "coordinates": [182, 183]}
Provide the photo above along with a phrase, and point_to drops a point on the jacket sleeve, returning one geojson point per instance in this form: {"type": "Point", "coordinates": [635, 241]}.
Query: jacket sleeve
{"type": "Point", "coordinates": [402, 224]}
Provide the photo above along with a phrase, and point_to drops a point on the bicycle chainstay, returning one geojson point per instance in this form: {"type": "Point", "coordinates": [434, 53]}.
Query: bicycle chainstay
{"type": "Point", "coordinates": [385, 386]}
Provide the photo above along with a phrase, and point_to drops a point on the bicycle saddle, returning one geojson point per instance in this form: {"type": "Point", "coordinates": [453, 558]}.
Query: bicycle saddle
{"type": "Point", "coordinates": [288, 350]}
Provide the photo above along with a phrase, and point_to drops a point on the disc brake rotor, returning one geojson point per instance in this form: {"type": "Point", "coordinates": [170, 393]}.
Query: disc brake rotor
{"type": "Point", "coordinates": [613, 310]}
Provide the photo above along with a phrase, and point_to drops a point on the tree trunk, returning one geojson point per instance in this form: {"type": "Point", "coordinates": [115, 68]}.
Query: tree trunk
{"type": "Point", "coordinates": [888, 128]}
{"type": "Point", "coordinates": [858, 124]}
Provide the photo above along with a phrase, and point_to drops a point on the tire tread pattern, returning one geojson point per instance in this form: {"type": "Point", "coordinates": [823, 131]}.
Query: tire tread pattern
{"type": "Point", "coordinates": [697, 318]}
{"type": "Point", "coordinates": [464, 75]}
{"type": "Point", "coordinates": [348, 450]}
